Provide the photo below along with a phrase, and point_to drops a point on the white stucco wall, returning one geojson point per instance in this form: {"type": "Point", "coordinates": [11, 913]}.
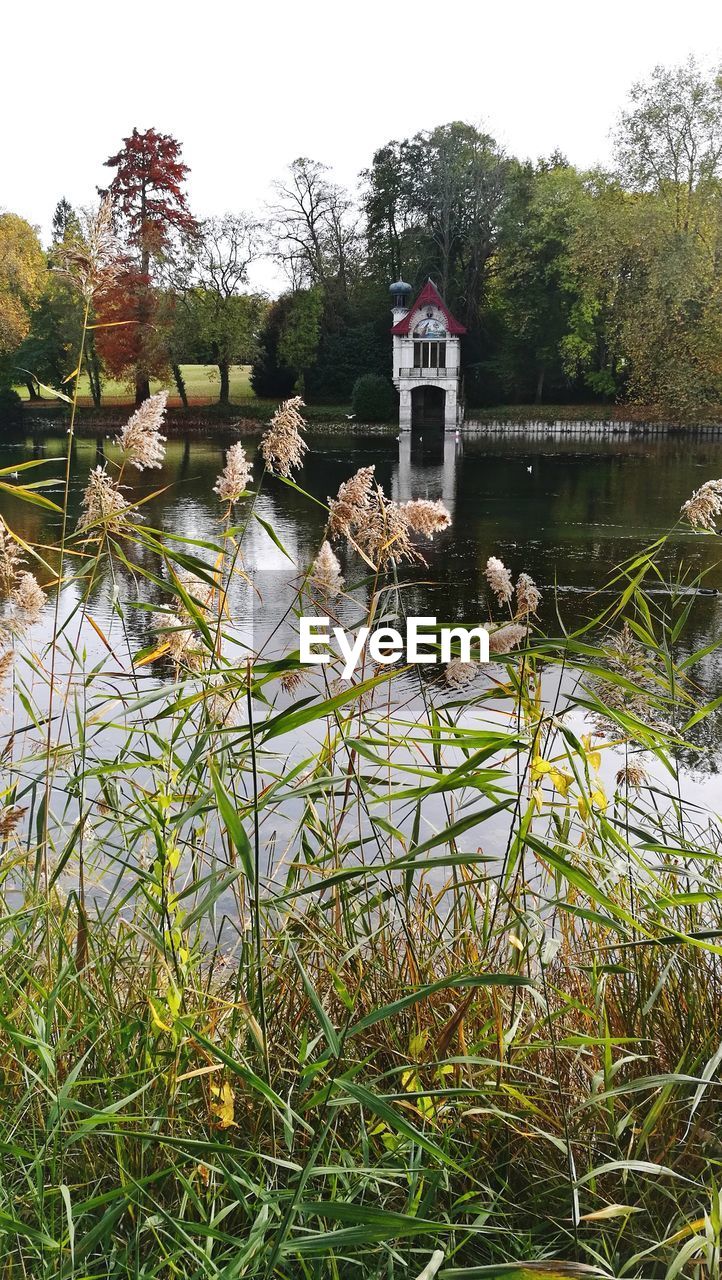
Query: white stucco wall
{"type": "Point", "coordinates": [403, 358]}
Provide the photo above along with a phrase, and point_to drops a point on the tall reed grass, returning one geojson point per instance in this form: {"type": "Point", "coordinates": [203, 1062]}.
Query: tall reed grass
{"type": "Point", "coordinates": [378, 979]}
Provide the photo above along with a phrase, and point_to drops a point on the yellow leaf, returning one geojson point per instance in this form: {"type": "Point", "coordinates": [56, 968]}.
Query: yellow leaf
{"type": "Point", "coordinates": [418, 1043]}
{"type": "Point", "coordinates": [156, 1017]}
{"type": "Point", "coordinates": [609, 1211]}
{"type": "Point", "coordinates": [199, 1071]}
{"type": "Point", "coordinates": [222, 1107]}
{"type": "Point", "coordinates": [410, 1081]}
{"type": "Point", "coordinates": [537, 796]}
{"type": "Point", "coordinates": [562, 781]}
{"type": "Point", "coordinates": [594, 756]}
{"type": "Point", "coordinates": [540, 766]}
{"type": "Point", "coordinates": [516, 942]}
{"type": "Point", "coordinates": [426, 1108]}
{"type": "Point", "coordinates": [59, 395]}
{"type": "Point", "coordinates": [598, 798]}
{"type": "Point", "coordinates": [173, 998]}
{"type": "Point", "coordinates": [99, 632]}
{"type": "Point", "coordinates": [151, 657]}
{"type": "Point", "coordinates": [697, 1225]}
{"type": "Point", "coordinates": [112, 324]}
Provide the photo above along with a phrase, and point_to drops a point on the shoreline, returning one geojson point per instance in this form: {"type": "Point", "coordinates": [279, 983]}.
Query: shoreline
{"type": "Point", "coordinates": [252, 417]}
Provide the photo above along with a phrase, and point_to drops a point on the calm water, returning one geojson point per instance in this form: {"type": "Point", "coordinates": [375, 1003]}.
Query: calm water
{"type": "Point", "coordinates": [565, 511]}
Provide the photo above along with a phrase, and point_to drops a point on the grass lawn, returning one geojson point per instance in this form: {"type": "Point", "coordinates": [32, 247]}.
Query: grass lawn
{"type": "Point", "coordinates": [202, 385]}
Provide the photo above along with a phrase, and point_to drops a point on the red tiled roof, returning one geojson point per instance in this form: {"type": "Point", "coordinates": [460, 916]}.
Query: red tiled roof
{"type": "Point", "coordinates": [429, 296]}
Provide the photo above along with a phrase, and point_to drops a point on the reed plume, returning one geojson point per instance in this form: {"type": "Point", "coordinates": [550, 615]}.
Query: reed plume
{"type": "Point", "coordinates": [6, 663]}
{"type": "Point", "coordinates": [353, 499]}
{"type": "Point", "coordinates": [702, 509]}
{"type": "Point", "coordinates": [177, 635]}
{"type": "Point", "coordinates": [10, 817]}
{"type": "Point", "coordinates": [10, 558]}
{"type": "Point", "coordinates": [326, 572]}
{"type": "Point", "coordinates": [632, 775]}
{"type": "Point", "coordinates": [283, 446]}
{"type": "Point", "coordinates": [222, 706]}
{"type": "Point", "coordinates": [503, 639]}
{"type": "Point", "coordinates": [92, 260]}
{"type": "Point", "coordinates": [203, 593]}
{"type": "Point", "coordinates": [103, 503]}
{"type": "Point", "coordinates": [379, 528]}
{"type": "Point", "coordinates": [458, 673]}
{"type": "Point", "coordinates": [383, 534]}
{"type": "Point", "coordinates": [292, 680]}
{"type": "Point", "coordinates": [426, 517]}
{"type": "Point", "coordinates": [28, 598]}
{"type": "Point", "coordinates": [140, 440]}
{"type": "Point", "coordinates": [528, 596]}
{"type": "Point", "coordinates": [235, 477]}
{"type": "Point", "coordinates": [499, 579]}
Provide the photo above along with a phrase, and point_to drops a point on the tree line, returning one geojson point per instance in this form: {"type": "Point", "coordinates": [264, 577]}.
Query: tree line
{"type": "Point", "coordinates": [573, 285]}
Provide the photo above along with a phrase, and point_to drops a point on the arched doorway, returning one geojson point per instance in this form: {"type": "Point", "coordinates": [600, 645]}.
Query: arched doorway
{"type": "Point", "coordinates": [427, 407]}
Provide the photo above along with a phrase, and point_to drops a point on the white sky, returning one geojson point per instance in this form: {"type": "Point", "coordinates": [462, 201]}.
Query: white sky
{"type": "Point", "coordinates": [247, 87]}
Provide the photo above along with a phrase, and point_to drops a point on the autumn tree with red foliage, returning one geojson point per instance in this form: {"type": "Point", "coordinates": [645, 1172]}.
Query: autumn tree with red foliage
{"type": "Point", "coordinates": [139, 348]}
{"type": "Point", "coordinates": [151, 206]}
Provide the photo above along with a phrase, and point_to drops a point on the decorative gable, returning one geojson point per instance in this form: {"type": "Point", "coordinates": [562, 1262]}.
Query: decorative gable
{"type": "Point", "coordinates": [429, 317]}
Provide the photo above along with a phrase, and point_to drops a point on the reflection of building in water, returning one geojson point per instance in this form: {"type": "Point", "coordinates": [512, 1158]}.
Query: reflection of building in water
{"type": "Point", "coordinates": [427, 359]}
{"type": "Point", "coordinates": [428, 475]}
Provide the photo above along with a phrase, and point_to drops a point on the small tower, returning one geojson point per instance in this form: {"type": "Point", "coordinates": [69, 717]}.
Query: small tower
{"type": "Point", "coordinates": [400, 294]}
{"type": "Point", "coordinates": [426, 354]}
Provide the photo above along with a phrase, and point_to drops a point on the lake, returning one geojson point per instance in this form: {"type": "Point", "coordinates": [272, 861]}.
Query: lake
{"type": "Point", "coordinates": [564, 509]}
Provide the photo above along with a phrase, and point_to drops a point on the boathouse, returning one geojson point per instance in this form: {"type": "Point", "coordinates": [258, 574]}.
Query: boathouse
{"type": "Point", "coordinates": [427, 359]}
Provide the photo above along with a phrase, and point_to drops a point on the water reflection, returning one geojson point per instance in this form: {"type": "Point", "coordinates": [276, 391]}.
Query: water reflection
{"type": "Point", "coordinates": [565, 510]}
{"type": "Point", "coordinates": [427, 470]}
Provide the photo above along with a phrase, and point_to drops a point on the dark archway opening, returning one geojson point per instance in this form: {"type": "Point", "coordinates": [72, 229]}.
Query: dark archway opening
{"type": "Point", "coordinates": [427, 408]}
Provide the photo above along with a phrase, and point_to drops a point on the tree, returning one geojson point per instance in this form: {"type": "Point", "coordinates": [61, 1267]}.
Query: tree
{"type": "Point", "coordinates": [299, 338]}
{"type": "Point", "coordinates": [151, 205]}
{"type": "Point", "coordinates": [224, 320]}
{"type": "Point", "coordinates": [605, 277]}
{"type": "Point", "coordinates": [22, 276]}
{"type": "Point", "coordinates": [646, 256]}
{"type": "Point", "coordinates": [49, 352]}
{"type": "Point", "coordinates": [393, 228]}
{"type": "Point", "coordinates": [270, 377]}
{"type": "Point", "coordinates": [648, 320]}
{"type": "Point", "coordinates": [670, 140]}
{"type": "Point", "coordinates": [465, 180]}
{"type": "Point", "coordinates": [134, 351]}
{"type": "Point", "coordinates": [225, 330]}
{"type": "Point", "coordinates": [343, 357]}
{"type": "Point", "coordinates": [314, 232]}
{"type": "Point", "coordinates": [66, 223]}
{"type": "Point", "coordinates": [58, 325]}
{"type": "Point", "coordinates": [433, 205]}
{"type": "Point", "coordinates": [533, 288]}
